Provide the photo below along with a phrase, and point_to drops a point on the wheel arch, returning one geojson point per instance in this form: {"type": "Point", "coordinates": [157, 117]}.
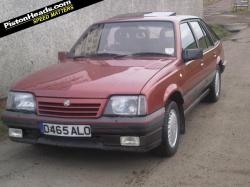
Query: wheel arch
{"type": "Point", "coordinates": [172, 93]}
{"type": "Point", "coordinates": [220, 64]}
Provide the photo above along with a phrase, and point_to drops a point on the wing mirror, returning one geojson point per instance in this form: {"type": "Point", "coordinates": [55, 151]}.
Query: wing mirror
{"type": "Point", "coordinates": [63, 56]}
{"type": "Point", "coordinates": [192, 54]}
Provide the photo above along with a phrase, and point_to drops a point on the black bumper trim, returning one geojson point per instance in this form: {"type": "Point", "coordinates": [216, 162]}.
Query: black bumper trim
{"type": "Point", "coordinates": [106, 131]}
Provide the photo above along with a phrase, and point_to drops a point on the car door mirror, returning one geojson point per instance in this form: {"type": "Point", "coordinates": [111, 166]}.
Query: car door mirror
{"type": "Point", "coordinates": [192, 54]}
{"type": "Point", "coordinates": [63, 56]}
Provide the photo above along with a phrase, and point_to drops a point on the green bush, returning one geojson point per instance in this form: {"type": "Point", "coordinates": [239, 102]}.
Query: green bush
{"type": "Point", "coordinates": [220, 31]}
{"type": "Point", "coordinates": [3, 129]}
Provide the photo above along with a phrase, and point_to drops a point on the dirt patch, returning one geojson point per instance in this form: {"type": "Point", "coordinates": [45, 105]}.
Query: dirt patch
{"type": "Point", "coordinates": [210, 2]}
{"type": "Point", "coordinates": [241, 40]}
{"type": "Point", "coordinates": [3, 132]}
{"type": "Point", "coordinates": [242, 12]}
{"type": "Point", "coordinates": [2, 103]}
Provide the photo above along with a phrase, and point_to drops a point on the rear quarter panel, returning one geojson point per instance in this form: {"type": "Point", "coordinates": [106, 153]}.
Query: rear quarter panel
{"type": "Point", "coordinates": [220, 52]}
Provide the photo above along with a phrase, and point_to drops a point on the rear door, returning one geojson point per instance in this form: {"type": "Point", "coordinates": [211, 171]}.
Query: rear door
{"type": "Point", "coordinates": [217, 49]}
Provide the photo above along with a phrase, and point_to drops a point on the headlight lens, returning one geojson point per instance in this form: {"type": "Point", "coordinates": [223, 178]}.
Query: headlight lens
{"type": "Point", "coordinates": [21, 101]}
{"type": "Point", "coordinates": [127, 106]}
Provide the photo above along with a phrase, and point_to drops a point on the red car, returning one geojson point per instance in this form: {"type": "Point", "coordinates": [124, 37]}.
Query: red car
{"type": "Point", "coordinates": [126, 84]}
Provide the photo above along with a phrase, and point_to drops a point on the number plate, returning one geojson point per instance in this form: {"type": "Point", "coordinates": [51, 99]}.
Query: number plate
{"type": "Point", "coordinates": [66, 130]}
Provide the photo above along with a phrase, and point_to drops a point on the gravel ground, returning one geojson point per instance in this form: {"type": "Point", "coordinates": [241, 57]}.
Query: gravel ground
{"type": "Point", "coordinates": [214, 151]}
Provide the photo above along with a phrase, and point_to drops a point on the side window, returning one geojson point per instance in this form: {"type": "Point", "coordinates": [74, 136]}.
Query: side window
{"type": "Point", "coordinates": [212, 34]}
{"type": "Point", "coordinates": [209, 42]}
{"type": "Point", "coordinates": [187, 38]}
{"type": "Point", "coordinates": [207, 36]}
{"type": "Point", "coordinates": [201, 38]}
{"type": "Point", "coordinates": [89, 44]}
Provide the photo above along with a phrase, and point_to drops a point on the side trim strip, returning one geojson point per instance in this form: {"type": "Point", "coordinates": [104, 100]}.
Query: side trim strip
{"type": "Point", "coordinates": [197, 101]}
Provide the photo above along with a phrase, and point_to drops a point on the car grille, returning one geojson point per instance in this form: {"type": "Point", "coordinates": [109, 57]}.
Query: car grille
{"type": "Point", "coordinates": [78, 108]}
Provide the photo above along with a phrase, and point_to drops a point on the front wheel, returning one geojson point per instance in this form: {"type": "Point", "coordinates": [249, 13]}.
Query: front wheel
{"type": "Point", "coordinates": [171, 131]}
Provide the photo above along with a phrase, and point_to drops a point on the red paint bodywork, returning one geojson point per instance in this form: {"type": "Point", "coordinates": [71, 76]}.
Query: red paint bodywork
{"type": "Point", "coordinates": [155, 77]}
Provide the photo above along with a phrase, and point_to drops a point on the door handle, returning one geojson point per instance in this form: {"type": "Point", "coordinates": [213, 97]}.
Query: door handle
{"type": "Point", "coordinates": [215, 55]}
{"type": "Point", "coordinates": [202, 62]}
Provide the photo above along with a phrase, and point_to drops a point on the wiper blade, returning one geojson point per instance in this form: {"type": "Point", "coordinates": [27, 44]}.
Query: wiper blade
{"type": "Point", "coordinates": [100, 55]}
{"type": "Point", "coordinates": [110, 54]}
{"type": "Point", "coordinates": [150, 53]}
{"type": "Point", "coordinates": [119, 55]}
{"type": "Point", "coordinates": [80, 56]}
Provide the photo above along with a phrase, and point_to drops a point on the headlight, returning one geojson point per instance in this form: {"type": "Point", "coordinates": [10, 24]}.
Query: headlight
{"type": "Point", "coordinates": [127, 106]}
{"type": "Point", "coordinates": [21, 101]}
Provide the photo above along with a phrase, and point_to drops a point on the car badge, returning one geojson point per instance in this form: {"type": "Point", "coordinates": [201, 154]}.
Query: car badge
{"type": "Point", "coordinates": [66, 103]}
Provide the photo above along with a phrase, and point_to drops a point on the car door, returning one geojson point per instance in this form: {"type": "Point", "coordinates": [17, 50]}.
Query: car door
{"type": "Point", "coordinates": [208, 63]}
{"type": "Point", "coordinates": [215, 51]}
{"type": "Point", "coordinates": [192, 69]}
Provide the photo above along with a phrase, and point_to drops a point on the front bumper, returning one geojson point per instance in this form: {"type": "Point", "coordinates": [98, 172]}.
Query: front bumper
{"type": "Point", "coordinates": [106, 131]}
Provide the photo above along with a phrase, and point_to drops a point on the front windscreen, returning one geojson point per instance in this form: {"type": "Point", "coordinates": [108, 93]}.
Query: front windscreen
{"type": "Point", "coordinates": [127, 38]}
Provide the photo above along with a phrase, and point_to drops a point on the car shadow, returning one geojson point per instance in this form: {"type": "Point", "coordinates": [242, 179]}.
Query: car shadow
{"type": "Point", "coordinates": [76, 156]}
{"type": "Point", "coordinates": [72, 159]}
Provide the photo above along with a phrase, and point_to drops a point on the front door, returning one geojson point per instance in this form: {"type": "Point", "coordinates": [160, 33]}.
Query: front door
{"type": "Point", "coordinates": [191, 70]}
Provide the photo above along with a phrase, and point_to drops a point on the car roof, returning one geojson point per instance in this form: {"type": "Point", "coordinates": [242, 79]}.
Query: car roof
{"type": "Point", "coordinates": [149, 16]}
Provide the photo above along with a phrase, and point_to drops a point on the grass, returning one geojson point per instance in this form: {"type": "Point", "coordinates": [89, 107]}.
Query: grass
{"type": "Point", "coordinates": [220, 31]}
{"type": "Point", "coordinates": [3, 129]}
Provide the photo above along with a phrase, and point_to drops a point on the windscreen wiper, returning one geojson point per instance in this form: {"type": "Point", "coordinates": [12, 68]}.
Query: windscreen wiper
{"type": "Point", "coordinates": [118, 55]}
{"type": "Point", "coordinates": [114, 55]}
{"type": "Point", "coordinates": [110, 54]}
{"type": "Point", "coordinates": [150, 53]}
{"type": "Point", "coordinates": [80, 56]}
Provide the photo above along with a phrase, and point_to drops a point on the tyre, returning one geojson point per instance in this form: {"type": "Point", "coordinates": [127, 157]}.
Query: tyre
{"type": "Point", "coordinates": [170, 132]}
{"type": "Point", "coordinates": [215, 88]}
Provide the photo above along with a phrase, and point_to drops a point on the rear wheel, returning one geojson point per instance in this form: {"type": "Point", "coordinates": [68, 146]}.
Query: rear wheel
{"type": "Point", "coordinates": [171, 131]}
{"type": "Point", "coordinates": [215, 88]}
